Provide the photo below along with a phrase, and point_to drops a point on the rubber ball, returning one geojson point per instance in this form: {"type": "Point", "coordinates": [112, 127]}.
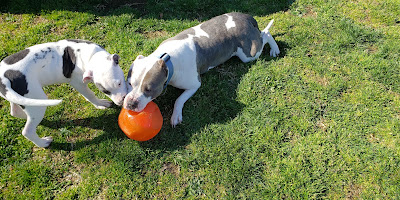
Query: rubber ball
{"type": "Point", "coordinates": [141, 126]}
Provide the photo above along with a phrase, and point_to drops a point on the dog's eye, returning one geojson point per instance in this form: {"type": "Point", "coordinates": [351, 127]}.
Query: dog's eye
{"type": "Point", "coordinates": [147, 90]}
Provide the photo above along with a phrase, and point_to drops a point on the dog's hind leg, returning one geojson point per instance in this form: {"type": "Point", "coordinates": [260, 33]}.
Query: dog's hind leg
{"type": "Point", "coordinates": [252, 47]}
{"type": "Point", "coordinates": [17, 111]}
{"type": "Point", "coordinates": [35, 115]}
{"type": "Point", "coordinates": [267, 38]}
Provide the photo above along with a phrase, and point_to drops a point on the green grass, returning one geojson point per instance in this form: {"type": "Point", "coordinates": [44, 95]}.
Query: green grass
{"type": "Point", "coordinates": [321, 121]}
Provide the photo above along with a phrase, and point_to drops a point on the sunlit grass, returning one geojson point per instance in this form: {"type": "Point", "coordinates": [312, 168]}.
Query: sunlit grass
{"type": "Point", "coordinates": [320, 121]}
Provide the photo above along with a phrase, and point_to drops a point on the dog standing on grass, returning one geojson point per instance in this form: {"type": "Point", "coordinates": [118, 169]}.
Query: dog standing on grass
{"type": "Point", "coordinates": [78, 62]}
{"type": "Point", "coordinates": [180, 60]}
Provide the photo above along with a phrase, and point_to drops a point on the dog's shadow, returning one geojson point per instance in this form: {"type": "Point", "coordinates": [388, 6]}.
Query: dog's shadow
{"type": "Point", "coordinates": [107, 123]}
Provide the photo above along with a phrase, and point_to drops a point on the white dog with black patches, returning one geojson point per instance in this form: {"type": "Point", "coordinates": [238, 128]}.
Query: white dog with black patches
{"type": "Point", "coordinates": [180, 60]}
{"type": "Point", "coordinates": [23, 74]}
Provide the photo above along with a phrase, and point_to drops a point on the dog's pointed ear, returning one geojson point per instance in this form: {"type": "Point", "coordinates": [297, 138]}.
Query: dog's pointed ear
{"type": "Point", "coordinates": [116, 58]}
{"type": "Point", "coordinates": [87, 76]}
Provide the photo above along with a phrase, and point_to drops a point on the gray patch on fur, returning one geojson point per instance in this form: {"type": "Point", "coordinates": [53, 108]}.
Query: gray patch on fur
{"type": "Point", "coordinates": [16, 57]}
{"type": "Point", "coordinates": [42, 54]}
{"type": "Point", "coordinates": [18, 81]}
{"type": "Point", "coordinates": [3, 88]}
{"type": "Point", "coordinates": [151, 86]}
{"type": "Point", "coordinates": [222, 43]}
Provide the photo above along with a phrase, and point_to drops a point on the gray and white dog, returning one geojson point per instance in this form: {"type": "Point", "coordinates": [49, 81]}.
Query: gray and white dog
{"type": "Point", "coordinates": [78, 62]}
{"type": "Point", "coordinates": [180, 60]}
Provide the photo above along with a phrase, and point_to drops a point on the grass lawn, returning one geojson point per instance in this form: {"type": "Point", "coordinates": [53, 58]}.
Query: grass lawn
{"type": "Point", "coordinates": [321, 121]}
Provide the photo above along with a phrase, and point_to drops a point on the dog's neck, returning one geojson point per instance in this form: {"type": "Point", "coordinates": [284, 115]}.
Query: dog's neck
{"type": "Point", "coordinates": [86, 57]}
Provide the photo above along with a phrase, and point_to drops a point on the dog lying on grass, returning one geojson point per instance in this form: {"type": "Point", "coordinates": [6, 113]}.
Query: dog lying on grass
{"type": "Point", "coordinates": [180, 60]}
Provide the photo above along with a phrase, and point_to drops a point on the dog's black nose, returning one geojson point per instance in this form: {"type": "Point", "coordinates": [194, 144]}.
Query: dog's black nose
{"type": "Point", "coordinates": [133, 105]}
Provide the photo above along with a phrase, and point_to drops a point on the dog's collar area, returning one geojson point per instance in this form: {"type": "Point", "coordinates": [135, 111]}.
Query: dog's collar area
{"type": "Point", "coordinates": [165, 57]}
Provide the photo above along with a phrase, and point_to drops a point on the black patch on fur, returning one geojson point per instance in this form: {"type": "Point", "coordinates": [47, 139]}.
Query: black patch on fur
{"type": "Point", "coordinates": [18, 81]}
{"type": "Point", "coordinates": [69, 61]}
{"type": "Point", "coordinates": [42, 54]}
{"type": "Point", "coordinates": [114, 58]}
{"type": "Point", "coordinates": [129, 73]}
{"type": "Point", "coordinates": [3, 88]}
{"type": "Point", "coordinates": [14, 58]}
{"type": "Point", "coordinates": [102, 89]}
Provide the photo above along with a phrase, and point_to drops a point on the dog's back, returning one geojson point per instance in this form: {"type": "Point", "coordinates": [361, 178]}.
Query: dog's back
{"type": "Point", "coordinates": [217, 39]}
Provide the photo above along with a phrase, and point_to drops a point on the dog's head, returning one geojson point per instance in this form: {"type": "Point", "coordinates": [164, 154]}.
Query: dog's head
{"type": "Point", "coordinates": [145, 81]}
{"type": "Point", "coordinates": [105, 73]}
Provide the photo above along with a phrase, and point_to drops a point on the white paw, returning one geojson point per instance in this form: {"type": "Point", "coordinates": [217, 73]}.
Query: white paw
{"type": "Point", "coordinates": [103, 104]}
{"type": "Point", "coordinates": [44, 142]}
{"type": "Point", "coordinates": [274, 52]}
{"type": "Point", "coordinates": [176, 119]}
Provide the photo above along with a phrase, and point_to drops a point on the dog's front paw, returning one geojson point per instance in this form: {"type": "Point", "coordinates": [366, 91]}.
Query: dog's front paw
{"type": "Point", "coordinates": [176, 118]}
{"type": "Point", "coordinates": [274, 52]}
{"type": "Point", "coordinates": [103, 104]}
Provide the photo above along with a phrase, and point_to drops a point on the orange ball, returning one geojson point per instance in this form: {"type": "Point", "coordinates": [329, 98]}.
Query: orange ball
{"type": "Point", "coordinates": [141, 126]}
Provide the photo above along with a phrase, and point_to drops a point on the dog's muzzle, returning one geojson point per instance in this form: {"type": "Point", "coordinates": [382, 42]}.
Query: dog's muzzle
{"type": "Point", "coordinates": [132, 105]}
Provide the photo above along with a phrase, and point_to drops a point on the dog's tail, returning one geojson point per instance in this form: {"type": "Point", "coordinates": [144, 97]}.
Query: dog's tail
{"type": "Point", "coordinates": [16, 98]}
{"type": "Point", "coordinates": [265, 33]}
{"type": "Point", "coordinates": [266, 30]}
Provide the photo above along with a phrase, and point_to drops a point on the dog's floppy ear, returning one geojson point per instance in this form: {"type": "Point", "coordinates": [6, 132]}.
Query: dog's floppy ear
{"type": "Point", "coordinates": [87, 76]}
{"type": "Point", "coordinates": [163, 66]}
{"type": "Point", "coordinates": [116, 58]}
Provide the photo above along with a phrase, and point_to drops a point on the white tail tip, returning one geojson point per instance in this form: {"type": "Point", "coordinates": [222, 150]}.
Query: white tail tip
{"type": "Point", "coordinates": [55, 102]}
{"type": "Point", "coordinates": [268, 26]}
{"type": "Point", "coordinates": [40, 102]}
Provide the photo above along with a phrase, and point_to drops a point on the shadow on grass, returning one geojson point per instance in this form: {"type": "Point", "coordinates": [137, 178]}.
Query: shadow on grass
{"type": "Point", "coordinates": [177, 9]}
{"type": "Point", "coordinates": [107, 123]}
{"type": "Point", "coordinates": [214, 103]}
